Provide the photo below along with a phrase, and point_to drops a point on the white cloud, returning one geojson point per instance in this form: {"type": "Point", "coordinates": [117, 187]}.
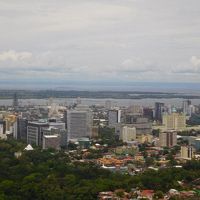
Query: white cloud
{"type": "Point", "coordinates": [136, 65]}
{"type": "Point", "coordinates": [14, 56]}
{"type": "Point", "coordinates": [195, 61]}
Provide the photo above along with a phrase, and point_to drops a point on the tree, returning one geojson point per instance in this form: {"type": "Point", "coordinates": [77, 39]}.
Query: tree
{"type": "Point", "coordinates": [149, 161]}
{"type": "Point", "coordinates": [156, 132]}
{"type": "Point", "coordinates": [158, 195]}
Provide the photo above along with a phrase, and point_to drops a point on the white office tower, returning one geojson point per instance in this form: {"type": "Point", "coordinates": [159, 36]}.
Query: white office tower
{"type": "Point", "coordinates": [128, 134]}
{"type": "Point", "coordinates": [114, 117]}
{"type": "Point", "coordinates": [168, 138]}
{"type": "Point", "coordinates": [187, 152]}
{"type": "Point", "coordinates": [79, 122]}
{"type": "Point", "coordinates": [191, 110]}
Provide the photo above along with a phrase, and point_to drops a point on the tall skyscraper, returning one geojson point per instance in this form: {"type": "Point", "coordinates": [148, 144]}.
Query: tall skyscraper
{"type": "Point", "coordinates": [22, 124]}
{"type": "Point", "coordinates": [191, 110]}
{"type": "Point", "coordinates": [15, 100]}
{"type": "Point", "coordinates": [79, 122]}
{"type": "Point", "coordinates": [159, 109]}
{"type": "Point", "coordinates": [168, 138]}
{"type": "Point", "coordinates": [186, 104]}
{"type": "Point", "coordinates": [114, 117]}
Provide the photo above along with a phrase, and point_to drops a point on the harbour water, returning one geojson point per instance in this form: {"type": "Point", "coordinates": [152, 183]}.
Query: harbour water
{"type": "Point", "coordinates": [88, 101]}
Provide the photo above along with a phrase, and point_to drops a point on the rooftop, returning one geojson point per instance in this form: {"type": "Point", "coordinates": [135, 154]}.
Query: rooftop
{"type": "Point", "coordinates": [50, 136]}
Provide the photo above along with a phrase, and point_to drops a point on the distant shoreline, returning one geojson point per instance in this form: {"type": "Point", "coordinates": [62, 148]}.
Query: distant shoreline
{"type": "Point", "coordinates": [45, 94]}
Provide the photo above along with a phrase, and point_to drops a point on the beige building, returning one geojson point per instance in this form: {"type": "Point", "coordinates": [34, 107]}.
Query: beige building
{"type": "Point", "coordinates": [128, 134]}
{"type": "Point", "coordinates": [8, 124]}
{"type": "Point", "coordinates": [187, 152]}
{"type": "Point", "coordinates": [145, 138]}
{"type": "Point", "coordinates": [168, 138]}
{"type": "Point", "coordinates": [10, 120]}
{"type": "Point", "coordinates": [95, 132]}
{"type": "Point", "coordinates": [175, 121]}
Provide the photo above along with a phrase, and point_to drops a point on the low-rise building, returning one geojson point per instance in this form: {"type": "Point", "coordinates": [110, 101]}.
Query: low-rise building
{"type": "Point", "coordinates": [168, 138]}
{"type": "Point", "coordinates": [145, 138]}
{"type": "Point", "coordinates": [51, 141]}
{"type": "Point", "coordinates": [187, 152]}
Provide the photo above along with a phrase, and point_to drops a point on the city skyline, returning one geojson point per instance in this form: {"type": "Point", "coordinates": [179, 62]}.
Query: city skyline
{"type": "Point", "coordinates": [99, 99]}
{"type": "Point", "coordinates": [117, 41]}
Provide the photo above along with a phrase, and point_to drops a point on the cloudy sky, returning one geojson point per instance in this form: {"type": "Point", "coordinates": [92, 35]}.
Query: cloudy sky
{"type": "Point", "coordinates": [104, 40]}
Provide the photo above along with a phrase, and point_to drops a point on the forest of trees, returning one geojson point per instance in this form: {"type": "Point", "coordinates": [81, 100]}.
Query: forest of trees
{"type": "Point", "coordinates": [51, 175]}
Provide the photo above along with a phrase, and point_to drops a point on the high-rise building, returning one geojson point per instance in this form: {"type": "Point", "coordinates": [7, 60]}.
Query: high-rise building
{"type": "Point", "coordinates": [10, 120]}
{"type": "Point", "coordinates": [35, 132]}
{"type": "Point", "coordinates": [3, 129]}
{"type": "Point", "coordinates": [148, 113]}
{"type": "Point", "coordinates": [168, 138]}
{"type": "Point", "coordinates": [186, 104]}
{"type": "Point", "coordinates": [159, 109]}
{"type": "Point", "coordinates": [15, 100]}
{"type": "Point", "coordinates": [22, 124]}
{"type": "Point", "coordinates": [63, 138]}
{"type": "Point", "coordinates": [128, 134]}
{"type": "Point", "coordinates": [142, 124]}
{"type": "Point", "coordinates": [65, 118]}
{"type": "Point", "coordinates": [187, 152]}
{"type": "Point", "coordinates": [191, 110]}
{"type": "Point", "coordinates": [114, 117]}
{"type": "Point", "coordinates": [79, 123]}
{"type": "Point", "coordinates": [176, 121]}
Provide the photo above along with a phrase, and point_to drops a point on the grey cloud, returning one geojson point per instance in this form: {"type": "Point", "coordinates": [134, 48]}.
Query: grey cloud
{"type": "Point", "coordinates": [125, 40]}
